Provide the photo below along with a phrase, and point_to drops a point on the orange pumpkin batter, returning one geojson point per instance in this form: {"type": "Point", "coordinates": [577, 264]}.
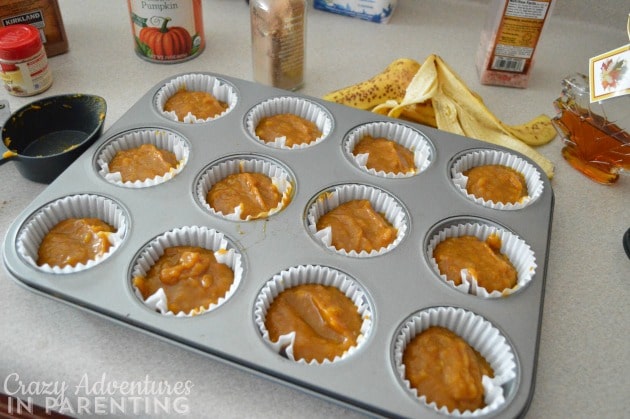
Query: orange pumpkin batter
{"type": "Point", "coordinates": [297, 130]}
{"type": "Point", "coordinates": [141, 163]}
{"type": "Point", "coordinates": [496, 183]}
{"type": "Point", "coordinates": [254, 193]}
{"type": "Point", "coordinates": [357, 226]}
{"type": "Point", "coordinates": [74, 241]}
{"type": "Point", "coordinates": [385, 155]}
{"type": "Point", "coordinates": [446, 370]}
{"type": "Point", "coordinates": [201, 104]}
{"type": "Point", "coordinates": [190, 276]}
{"type": "Point", "coordinates": [484, 261]}
{"type": "Point", "coordinates": [325, 321]}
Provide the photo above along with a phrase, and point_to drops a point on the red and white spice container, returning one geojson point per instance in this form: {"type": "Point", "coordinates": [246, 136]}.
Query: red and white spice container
{"type": "Point", "coordinates": [23, 62]}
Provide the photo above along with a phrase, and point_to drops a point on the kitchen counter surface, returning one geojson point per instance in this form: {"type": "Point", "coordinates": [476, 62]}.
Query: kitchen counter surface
{"type": "Point", "coordinates": [583, 365]}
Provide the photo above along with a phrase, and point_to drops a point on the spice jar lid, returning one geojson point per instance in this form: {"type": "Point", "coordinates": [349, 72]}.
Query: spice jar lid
{"type": "Point", "coordinates": [19, 41]}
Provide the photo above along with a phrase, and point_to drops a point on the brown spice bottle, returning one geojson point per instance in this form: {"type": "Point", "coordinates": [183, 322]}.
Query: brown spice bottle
{"type": "Point", "coordinates": [278, 42]}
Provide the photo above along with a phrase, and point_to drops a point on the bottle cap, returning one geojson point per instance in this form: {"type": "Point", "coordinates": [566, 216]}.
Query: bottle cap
{"type": "Point", "coordinates": [19, 41]}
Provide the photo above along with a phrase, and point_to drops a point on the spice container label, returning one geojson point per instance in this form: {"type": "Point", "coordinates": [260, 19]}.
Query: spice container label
{"type": "Point", "coordinates": [508, 43]}
{"type": "Point", "coordinates": [167, 30]}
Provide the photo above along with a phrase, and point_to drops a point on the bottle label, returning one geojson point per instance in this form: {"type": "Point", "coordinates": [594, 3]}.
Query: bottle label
{"type": "Point", "coordinates": [518, 35]}
{"type": "Point", "coordinates": [28, 77]}
{"type": "Point", "coordinates": [167, 30]}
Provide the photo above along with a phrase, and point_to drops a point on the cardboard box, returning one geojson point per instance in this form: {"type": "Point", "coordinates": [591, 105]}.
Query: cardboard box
{"type": "Point", "coordinates": [379, 11]}
{"type": "Point", "coordinates": [44, 15]}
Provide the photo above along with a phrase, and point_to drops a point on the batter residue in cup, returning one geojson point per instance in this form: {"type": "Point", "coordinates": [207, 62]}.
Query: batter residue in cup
{"type": "Point", "coordinates": [297, 130]}
{"type": "Point", "coordinates": [254, 193]}
{"type": "Point", "coordinates": [496, 183]}
{"type": "Point", "coordinates": [483, 260]}
{"type": "Point", "coordinates": [445, 369]}
{"type": "Point", "coordinates": [202, 105]}
{"type": "Point", "coordinates": [141, 163]}
{"type": "Point", "coordinates": [74, 241]}
{"type": "Point", "coordinates": [190, 276]}
{"type": "Point", "coordinates": [326, 322]}
{"type": "Point", "coordinates": [385, 155]}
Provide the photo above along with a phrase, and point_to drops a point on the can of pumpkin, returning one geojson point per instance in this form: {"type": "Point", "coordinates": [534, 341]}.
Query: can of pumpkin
{"type": "Point", "coordinates": [167, 31]}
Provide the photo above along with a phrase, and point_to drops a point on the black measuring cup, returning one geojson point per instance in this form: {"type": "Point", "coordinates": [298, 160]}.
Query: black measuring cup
{"type": "Point", "coordinates": [46, 136]}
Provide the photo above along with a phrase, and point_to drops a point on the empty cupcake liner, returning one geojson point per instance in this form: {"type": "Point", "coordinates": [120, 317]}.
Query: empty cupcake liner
{"type": "Point", "coordinates": [381, 201]}
{"type": "Point", "coordinates": [224, 252]}
{"type": "Point", "coordinates": [161, 139]}
{"type": "Point", "coordinates": [476, 158]}
{"type": "Point", "coordinates": [479, 334]}
{"type": "Point", "coordinates": [280, 177]}
{"type": "Point", "coordinates": [218, 88]}
{"type": "Point", "coordinates": [311, 274]}
{"type": "Point", "coordinates": [517, 250]}
{"type": "Point", "coordinates": [74, 206]}
{"type": "Point", "coordinates": [405, 136]}
{"type": "Point", "coordinates": [292, 105]}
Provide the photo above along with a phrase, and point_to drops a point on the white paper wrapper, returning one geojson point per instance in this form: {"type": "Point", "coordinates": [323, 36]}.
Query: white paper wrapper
{"type": "Point", "coordinates": [303, 108]}
{"type": "Point", "coordinates": [476, 158]}
{"type": "Point", "coordinates": [407, 137]}
{"type": "Point", "coordinates": [311, 274]}
{"type": "Point", "coordinates": [280, 177]}
{"type": "Point", "coordinates": [478, 333]}
{"type": "Point", "coordinates": [519, 253]}
{"type": "Point", "coordinates": [161, 139]}
{"type": "Point", "coordinates": [74, 206]}
{"type": "Point", "coordinates": [203, 237]}
{"type": "Point", "coordinates": [381, 201]}
{"type": "Point", "coordinates": [221, 90]}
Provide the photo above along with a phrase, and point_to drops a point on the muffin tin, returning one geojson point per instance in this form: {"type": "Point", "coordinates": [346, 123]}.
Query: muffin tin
{"type": "Point", "coordinates": [398, 285]}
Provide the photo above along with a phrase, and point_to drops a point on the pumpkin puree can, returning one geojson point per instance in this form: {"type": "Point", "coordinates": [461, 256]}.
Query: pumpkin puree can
{"type": "Point", "coordinates": [167, 31]}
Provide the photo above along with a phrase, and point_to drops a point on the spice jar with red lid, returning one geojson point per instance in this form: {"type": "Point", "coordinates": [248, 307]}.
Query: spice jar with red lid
{"type": "Point", "coordinates": [23, 61]}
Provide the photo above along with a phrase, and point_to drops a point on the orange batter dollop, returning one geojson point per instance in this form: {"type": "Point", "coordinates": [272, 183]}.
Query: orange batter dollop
{"type": "Point", "coordinates": [325, 321]}
{"type": "Point", "coordinates": [297, 130]}
{"type": "Point", "coordinates": [74, 241]}
{"type": "Point", "coordinates": [385, 155]}
{"type": "Point", "coordinates": [254, 193]}
{"type": "Point", "coordinates": [446, 369]}
{"type": "Point", "coordinates": [484, 261]}
{"type": "Point", "coordinates": [496, 183]}
{"type": "Point", "coordinates": [190, 276]}
{"type": "Point", "coordinates": [141, 163]}
{"type": "Point", "coordinates": [201, 104]}
{"type": "Point", "coordinates": [356, 226]}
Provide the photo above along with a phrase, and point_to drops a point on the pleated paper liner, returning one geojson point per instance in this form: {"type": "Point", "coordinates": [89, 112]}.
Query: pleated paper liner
{"type": "Point", "coordinates": [311, 274]}
{"type": "Point", "coordinates": [198, 236]}
{"type": "Point", "coordinates": [74, 206]}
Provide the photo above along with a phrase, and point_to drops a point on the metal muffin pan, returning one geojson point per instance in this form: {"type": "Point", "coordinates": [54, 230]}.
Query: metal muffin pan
{"type": "Point", "coordinates": [398, 283]}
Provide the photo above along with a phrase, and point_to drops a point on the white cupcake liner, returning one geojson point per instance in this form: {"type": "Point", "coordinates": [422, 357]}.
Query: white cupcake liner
{"type": "Point", "coordinates": [381, 201]}
{"type": "Point", "coordinates": [476, 158]}
{"type": "Point", "coordinates": [218, 88]}
{"type": "Point", "coordinates": [280, 177]}
{"type": "Point", "coordinates": [204, 237]}
{"type": "Point", "coordinates": [407, 137]}
{"type": "Point", "coordinates": [74, 206]}
{"type": "Point", "coordinates": [161, 139]}
{"type": "Point", "coordinates": [518, 252]}
{"type": "Point", "coordinates": [479, 334]}
{"type": "Point", "coordinates": [311, 274]}
{"type": "Point", "coordinates": [293, 105]}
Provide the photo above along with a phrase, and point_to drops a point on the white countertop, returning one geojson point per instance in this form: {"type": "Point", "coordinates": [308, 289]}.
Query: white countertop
{"type": "Point", "coordinates": [583, 368]}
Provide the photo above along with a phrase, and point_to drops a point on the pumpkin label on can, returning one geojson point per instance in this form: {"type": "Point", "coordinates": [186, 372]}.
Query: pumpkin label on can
{"type": "Point", "coordinates": [167, 30]}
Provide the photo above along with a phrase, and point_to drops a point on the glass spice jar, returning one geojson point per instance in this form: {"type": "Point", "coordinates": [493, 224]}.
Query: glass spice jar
{"type": "Point", "coordinates": [278, 30]}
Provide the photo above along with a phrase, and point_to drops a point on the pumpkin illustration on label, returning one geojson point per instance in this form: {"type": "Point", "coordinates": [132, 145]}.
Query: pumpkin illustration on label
{"type": "Point", "coordinates": [172, 32]}
{"type": "Point", "coordinates": [166, 43]}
